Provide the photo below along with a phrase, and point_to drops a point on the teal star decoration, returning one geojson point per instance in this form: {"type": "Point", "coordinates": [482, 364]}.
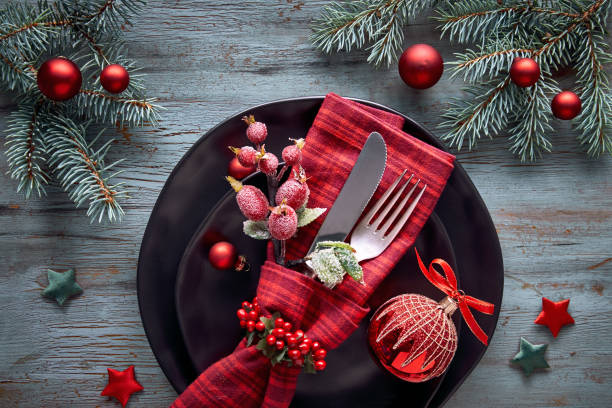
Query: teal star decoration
{"type": "Point", "coordinates": [61, 285]}
{"type": "Point", "coordinates": [530, 356]}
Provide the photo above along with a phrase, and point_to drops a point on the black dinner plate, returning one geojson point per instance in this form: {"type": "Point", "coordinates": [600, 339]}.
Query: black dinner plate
{"type": "Point", "coordinates": [207, 299]}
{"type": "Point", "coordinates": [196, 186]}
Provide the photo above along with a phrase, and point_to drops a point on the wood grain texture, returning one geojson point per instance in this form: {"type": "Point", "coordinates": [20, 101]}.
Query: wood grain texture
{"type": "Point", "coordinates": [206, 60]}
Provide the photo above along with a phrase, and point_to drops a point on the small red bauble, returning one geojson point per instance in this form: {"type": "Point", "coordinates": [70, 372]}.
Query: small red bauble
{"type": "Point", "coordinates": [114, 78]}
{"type": "Point", "coordinates": [524, 72]}
{"type": "Point", "coordinates": [421, 66]}
{"type": "Point", "coordinates": [59, 79]}
{"type": "Point", "coordinates": [121, 384]}
{"type": "Point", "coordinates": [223, 255]}
{"type": "Point", "coordinates": [237, 170]}
{"type": "Point", "coordinates": [566, 105]}
{"type": "Point", "coordinates": [413, 337]}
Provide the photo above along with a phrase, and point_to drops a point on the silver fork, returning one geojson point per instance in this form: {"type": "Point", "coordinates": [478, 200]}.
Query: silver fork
{"type": "Point", "coordinates": [369, 238]}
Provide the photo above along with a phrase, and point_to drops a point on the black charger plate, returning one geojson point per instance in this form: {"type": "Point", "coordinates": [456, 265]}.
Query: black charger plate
{"type": "Point", "coordinates": [207, 299]}
{"type": "Point", "coordinates": [196, 185]}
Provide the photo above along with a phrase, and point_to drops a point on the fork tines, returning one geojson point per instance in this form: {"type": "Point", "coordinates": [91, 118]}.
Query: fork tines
{"type": "Point", "coordinates": [387, 203]}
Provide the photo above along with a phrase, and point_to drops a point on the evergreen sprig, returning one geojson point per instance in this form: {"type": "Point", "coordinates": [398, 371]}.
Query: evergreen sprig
{"type": "Point", "coordinates": [557, 34]}
{"type": "Point", "coordinates": [47, 138]}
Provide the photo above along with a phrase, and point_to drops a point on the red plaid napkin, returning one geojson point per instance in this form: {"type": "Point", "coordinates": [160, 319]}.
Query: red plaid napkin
{"type": "Point", "coordinates": [246, 378]}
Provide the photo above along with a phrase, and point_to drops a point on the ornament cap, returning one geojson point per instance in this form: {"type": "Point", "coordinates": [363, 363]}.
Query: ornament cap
{"type": "Point", "coordinates": [449, 305]}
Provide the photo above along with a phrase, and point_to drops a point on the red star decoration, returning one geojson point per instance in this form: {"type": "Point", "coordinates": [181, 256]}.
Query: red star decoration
{"type": "Point", "coordinates": [554, 315]}
{"type": "Point", "coordinates": [121, 384]}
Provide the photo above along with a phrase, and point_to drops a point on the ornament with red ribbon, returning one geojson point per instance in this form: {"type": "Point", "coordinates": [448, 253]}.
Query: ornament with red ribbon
{"type": "Point", "coordinates": [413, 336]}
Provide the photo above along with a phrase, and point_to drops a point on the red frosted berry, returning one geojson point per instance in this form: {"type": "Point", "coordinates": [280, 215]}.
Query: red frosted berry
{"type": "Point", "coordinates": [299, 362]}
{"type": "Point", "coordinates": [247, 155]}
{"type": "Point", "coordinates": [260, 326]}
{"type": "Point", "coordinates": [315, 345]}
{"type": "Point", "coordinates": [279, 322]}
{"type": "Point", "coordinates": [294, 354]}
{"type": "Point", "coordinates": [292, 155]}
{"type": "Point", "coordinates": [246, 305]}
{"type": "Point", "coordinates": [268, 164]}
{"type": "Point", "coordinates": [319, 354]}
{"type": "Point", "coordinates": [271, 340]}
{"type": "Point", "coordinates": [250, 325]}
{"type": "Point", "coordinates": [257, 131]}
{"type": "Point", "coordinates": [242, 314]}
{"type": "Point", "coordinates": [320, 365]}
{"type": "Point", "coordinates": [279, 344]}
{"type": "Point", "coordinates": [294, 192]}
{"type": "Point", "coordinates": [282, 222]}
{"type": "Point", "coordinates": [287, 326]}
{"type": "Point", "coordinates": [292, 340]}
{"type": "Point", "coordinates": [251, 200]}
{"type": "Point", "coordinates": [253, 315]}
{"type": "Point", "coordinates": [298, 334]}
{"type": "Point", "coordinates": [243, 323]}
{"type": "Point", "coordinates": [255, 301]}
{"type": "Point", "coordinates": [278, 332]}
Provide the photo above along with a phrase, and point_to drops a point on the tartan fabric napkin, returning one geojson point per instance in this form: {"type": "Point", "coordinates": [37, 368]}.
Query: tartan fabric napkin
{"type": "Point", "coordinates": [246, 378]}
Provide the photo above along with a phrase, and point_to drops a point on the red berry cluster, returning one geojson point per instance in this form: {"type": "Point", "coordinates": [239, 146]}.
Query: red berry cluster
{"type": "Point", "coordinates": [297, 345]}
{"type": "Point", "coordinates": [249, 315]}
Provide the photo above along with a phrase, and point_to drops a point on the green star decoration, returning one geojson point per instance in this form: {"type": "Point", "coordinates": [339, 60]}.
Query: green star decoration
{"type": "Point", "coordinates": [530, 356]}
{"type": "Point", "coordinates": [61, 285]}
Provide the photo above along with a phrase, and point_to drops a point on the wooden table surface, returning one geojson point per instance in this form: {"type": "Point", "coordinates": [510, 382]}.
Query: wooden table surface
{"type": "Point", "coordinates": [206, 60]}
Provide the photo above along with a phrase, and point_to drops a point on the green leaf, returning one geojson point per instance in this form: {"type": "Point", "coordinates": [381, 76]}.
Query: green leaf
{"type": "Point", "coordinates": [256, 229]}
{"type": "Point", "coordinates": [278, 357]}
{"type": "Point", "coordinates": [308, 215]}
{"type": "Point", "coordinates": [349, 262]}
{"type": "Point", "coordinates": [261, 344]}
{"type": "Point", "coordinates": [327, 267]}
{"type": "Point", "coordinates": [250, 338]}
{"type": "Point", "coordinates": [334, 244]}
{"type": "Point", "coordinates": [309, 367]}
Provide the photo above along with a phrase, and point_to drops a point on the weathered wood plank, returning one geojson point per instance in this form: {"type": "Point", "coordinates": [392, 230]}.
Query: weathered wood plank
{"type": "Point", "coordinates": [207, 60]}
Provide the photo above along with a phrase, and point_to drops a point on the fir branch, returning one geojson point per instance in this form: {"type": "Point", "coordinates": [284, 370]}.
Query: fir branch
{"type": "Point", "coordinates": [111, 109]}
{"type": "Point", "coordinates": [26, 150]}
{"type": "Point", "coordinates": [81, 169]}
{"type": "Point", "coordinates": [594, 122]}
{"type": "Point", "coordinates": [528, 137]}
{"type": "Point", "coordinates": [353, 24]}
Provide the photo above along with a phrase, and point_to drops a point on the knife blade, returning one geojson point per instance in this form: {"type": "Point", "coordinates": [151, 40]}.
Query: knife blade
{"type": "Point", "coordinates": [356, 192]}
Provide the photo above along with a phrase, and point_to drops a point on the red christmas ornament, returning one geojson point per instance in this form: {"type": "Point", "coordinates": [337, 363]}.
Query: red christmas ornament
{"type": "Point", "coordinates": [121, 384]}
{"type": "Point", "coordinates": [114, 78]}
{"type": "Point", "coordinates": [554, 315]}
{"type": "Point", "coordinates": [413, 337]}
{"type": "Point", "coordinates": [237, 170]}
{"type": "Point", "coordinates": [223, 255]}
{"type": "Point", "coordinates": [566, 105]}
{"type": "Point", "coordinates": [421, 66]}
{"type": "Point", "coordinates": [524, 72]}
{"type": "Point", "coordinates": [59, 79]}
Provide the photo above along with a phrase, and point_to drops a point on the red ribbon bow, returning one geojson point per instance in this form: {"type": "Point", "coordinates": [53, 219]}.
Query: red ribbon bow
{"type": "Point", "coordinates": [448, 285]}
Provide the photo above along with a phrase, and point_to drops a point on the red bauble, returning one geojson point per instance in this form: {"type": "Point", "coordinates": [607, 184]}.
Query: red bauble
{"type": "Point", "coordinates": [413, 337]}
{"type": "Point", "coordinates": [121, 384]}
{"type": "Point", "coordinates": [59, 79]}
{"type": "Point", "coordinates": [421, 66]}
{"type": "Point", "coordinates": [223, 255]}
{"type": "Point", "coordinates": [237, 170]}
{"type": "Point", "coordinates": [524, 72]}
{"type": "Point", "coordinates": [114, 78]}
{"type": "Point", "coordinates": [566, 105]}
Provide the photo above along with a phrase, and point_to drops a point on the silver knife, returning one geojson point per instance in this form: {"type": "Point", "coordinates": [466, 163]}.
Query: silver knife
{"type": "Point", "coordinates": [356, 192]}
